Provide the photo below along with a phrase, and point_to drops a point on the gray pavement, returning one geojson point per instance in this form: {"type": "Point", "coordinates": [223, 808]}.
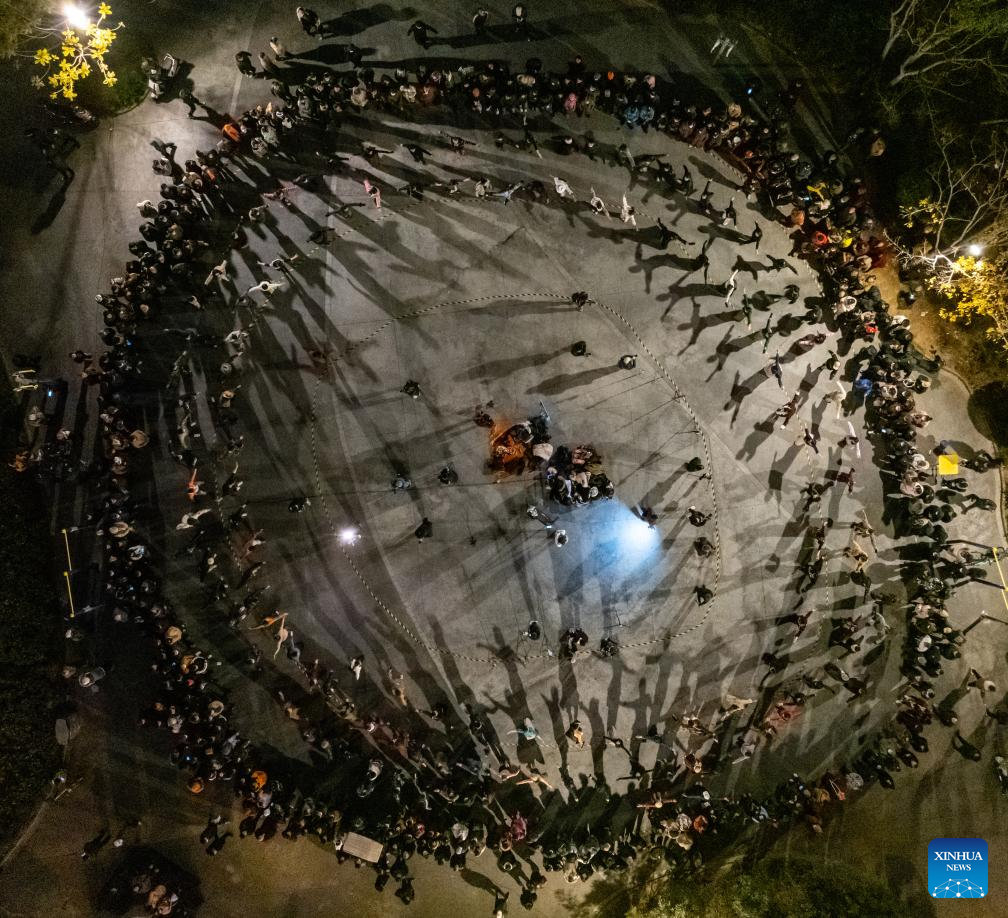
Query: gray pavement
{"type": "Point", "coordinates": [470, 299]}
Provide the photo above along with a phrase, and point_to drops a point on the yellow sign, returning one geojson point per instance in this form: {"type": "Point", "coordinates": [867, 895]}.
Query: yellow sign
{"type": "Point", "coordinates": [948, 464]}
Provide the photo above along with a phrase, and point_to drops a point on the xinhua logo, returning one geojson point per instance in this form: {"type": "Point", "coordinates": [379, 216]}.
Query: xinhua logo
{"type": "Point", "coordinates": [957, 868]}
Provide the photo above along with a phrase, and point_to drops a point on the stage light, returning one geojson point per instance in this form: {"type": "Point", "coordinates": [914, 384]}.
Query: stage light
{"type": "Point", "coordinates": [76, 17]}
{"type": "Point", "coordinates": [637, 540]}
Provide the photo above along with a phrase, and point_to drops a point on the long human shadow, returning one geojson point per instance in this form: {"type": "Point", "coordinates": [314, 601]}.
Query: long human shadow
{"type": "Point", "coordinates": [356, 21]}
{"type": "Point", "coordinates": [44, 220]}
{"type": "Point", "coordinates": [723, 350]}
{"type": "Point", "coordinates": [554, 385]}
{"type": "Point", "coordinates": [648, 265]}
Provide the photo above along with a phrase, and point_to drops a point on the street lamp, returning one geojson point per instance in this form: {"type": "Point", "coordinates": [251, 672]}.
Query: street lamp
{"type": "Point", "coordinates": [976, 250]}
{"type": "Point", "coordinates": [349, 536]}
{"type": "Point", "coordinates": [76, 17]}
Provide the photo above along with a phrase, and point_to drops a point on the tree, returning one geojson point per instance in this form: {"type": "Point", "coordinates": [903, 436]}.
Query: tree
{"type": "Point", "coordinates": [78, 52]}
{"type": "Point", "coordinates": [975, 287]}
{"type": "Point", "coordinates": [927, 37]}
{"type": "Point", "coordinates": [775, 888]}
{"type": "Point", "coordinates": [968, 205]}
{"type": "Point", "coordinates": [18, 20]}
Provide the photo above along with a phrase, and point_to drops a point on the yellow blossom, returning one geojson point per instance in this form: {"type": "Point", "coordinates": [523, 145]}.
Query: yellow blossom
{"type": "Point", "coordinates": [80, 52]}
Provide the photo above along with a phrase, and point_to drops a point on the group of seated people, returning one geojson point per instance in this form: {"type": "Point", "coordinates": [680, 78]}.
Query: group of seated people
{"type": "Point", "coordinates": [571, 476]}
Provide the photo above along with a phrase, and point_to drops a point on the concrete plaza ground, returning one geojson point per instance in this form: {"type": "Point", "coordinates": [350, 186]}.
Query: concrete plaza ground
{"type": "Point", "coordinates": [471, 299]}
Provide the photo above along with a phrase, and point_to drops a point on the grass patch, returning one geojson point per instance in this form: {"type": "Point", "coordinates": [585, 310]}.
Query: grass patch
{"type": "Point", "coordinates": [124, 57]}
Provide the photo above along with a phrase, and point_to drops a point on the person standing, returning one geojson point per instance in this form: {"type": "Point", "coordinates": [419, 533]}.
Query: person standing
{"type": "Point", "coordinates": [746, 310]}
{"type": "Point", "coordinates": [976, 680]}
{"type": "Point", "coordinates": [217, 843]}
{"type": "Point", "coordinates": [526, 730]}
{"type": "Point", "coordinates": [500, 903]}
{"type": "Point", "coordinates": [375, 192]}
{"type": "Point", "coordinates": [420, 31]}
{"type": "Point", "coordinates": [190, 100]}
{"type": "Point", "coordinates": [730, 214]}
{"type": "Point", "coordinates": [702, 261]}
{"type": "Point", "coordinates": [704, 547]}
{"type": "Point", "coordinates": [562, 188]}
{"type": "Point", "coordinates": [425, 530]}
{"type": "Point", "coordinates": [788, 410]}
{"type": "Point", "coordinates": [767, 333]}
{"type": "Point", "coordinates": [705, 196]}
{"type": "Point", "coordinates": [417, 152]}
{"type": "Point", "coordinates": [95, 845]}
{"type": "Point", "coordinates": [697, 517]}
{"type": "Point", "coordinates": [597, 204]}
{"type": "Point", "coordinates": [534, 513]}
{"type": "Point", "coordinates": [575, 733]}
{"type": "Point", "coordinates": [628, 213]}
{"type": "Point", "coordinates": [405, 892]}
{"type": "Point", "coordinates": [777, 370]}
{"type": "Point", "coordinates": [729, 288]}
{"type": "Point", "coordinates": [479, 21]}
{"type": "Point", "coordinates": [801, 621]}
{"type": "Point", "coordinates": [686, 182]}
{"type": "Point", "coordinates": [520, 16]}
{"type": "Point", "coordinates": [309, 20]}
{"type": "Point", "coordinates": [401, 483]}
{"type": "Point", "coordinates": [666, 235]}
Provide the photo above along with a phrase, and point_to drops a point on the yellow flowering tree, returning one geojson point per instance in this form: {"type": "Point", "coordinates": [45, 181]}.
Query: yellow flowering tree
{"type": "Point", "coordinates": [965, 215]}
{"type": "Point", "coordinates": [974, 287]}
{"type": "Point", "coordinates": [81, 50]}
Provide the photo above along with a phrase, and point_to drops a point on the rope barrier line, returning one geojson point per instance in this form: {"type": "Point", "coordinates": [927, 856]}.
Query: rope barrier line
{"type": "Point", "coordinates": [218, 497]}
{"type": "Point", "coordinates": [663, 373]}
{"type": "Point", "coordinates": [544, 295]}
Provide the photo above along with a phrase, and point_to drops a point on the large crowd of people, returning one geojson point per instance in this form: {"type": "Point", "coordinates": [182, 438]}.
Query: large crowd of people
{"type": "Point", "coordinates": [439, 783]}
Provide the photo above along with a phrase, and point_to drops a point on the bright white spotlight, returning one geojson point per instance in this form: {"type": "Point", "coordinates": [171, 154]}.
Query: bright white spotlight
{"type": "Point", "coordinates": [349, 536]}
{"type": "Point", "coordinates": [637, 540]}
{"type": "Point", "coordinates": [975, 250]}
{"type": "Point", "coordinates": [75, 16]}
{"type": "Point", "coordinates": [638, 534]}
